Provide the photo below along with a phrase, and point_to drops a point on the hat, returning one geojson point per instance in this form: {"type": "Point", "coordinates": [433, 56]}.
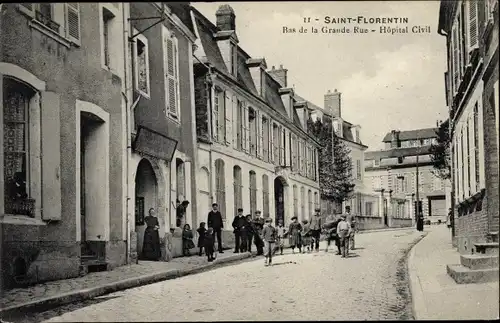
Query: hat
{"type": "Point", "coordinates": [317, 209]}
{"type": "Point", "coordinates": [343, 216]}
{"type": "Point", "coordinates": [258, 211]}
{"type": "Point", "coordinates": [240, 210]}
{"type": "Point", "coordinates": [294, 218]}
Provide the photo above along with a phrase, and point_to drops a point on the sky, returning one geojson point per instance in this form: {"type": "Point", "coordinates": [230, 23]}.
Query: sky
{"type": "Point", "coordinates": [387, 81]}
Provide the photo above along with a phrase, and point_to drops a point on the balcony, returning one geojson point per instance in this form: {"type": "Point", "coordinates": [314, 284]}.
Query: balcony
{"type": "Point", "coordinates": [47, 21]}
{"type": "Point", "coordinates": [20, 207]}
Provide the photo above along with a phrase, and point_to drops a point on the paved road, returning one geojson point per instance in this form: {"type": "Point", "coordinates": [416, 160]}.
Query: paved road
{"type": "Point", "coordinates": [371, 284]}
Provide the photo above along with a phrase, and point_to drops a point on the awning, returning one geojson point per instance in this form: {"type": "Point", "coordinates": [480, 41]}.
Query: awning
{"type": "Point", "coordinates": [154, 144]}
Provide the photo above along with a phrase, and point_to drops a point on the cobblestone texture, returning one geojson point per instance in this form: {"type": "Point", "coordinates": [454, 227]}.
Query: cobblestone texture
{"type": "Point", "coordinates": [371, 284]}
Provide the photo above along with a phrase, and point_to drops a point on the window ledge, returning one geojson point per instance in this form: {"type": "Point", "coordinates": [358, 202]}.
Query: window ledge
{"type": "Point", "coordinates": [35, 24]}
{"type": "Point", "coordinates": [173, 118]}
{"type": "Point", "coordinates": [20, 220]}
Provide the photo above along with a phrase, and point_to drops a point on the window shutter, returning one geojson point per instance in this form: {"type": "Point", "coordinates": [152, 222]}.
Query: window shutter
{"type": "Point", "coordinates": [455, 61]}
{"type": "Point", "coordinates": [472, 25]}
{"type": "Point", "coordinates": [258, 133]}
{"type": "Point", "coordinates": [247, 129]}
{"type": "Point", "coordinates": [228, 104]}
{"type": "Point", "coordinates": [172, 76]}
{"type": "Point", "coordinates": [27, 8]}
{"type": "Point", "coordinates": [73, 22]}
{"type": "Point", "coordinates": [214, 114]}
{"type": "Point", "coordinates": [51, 156]}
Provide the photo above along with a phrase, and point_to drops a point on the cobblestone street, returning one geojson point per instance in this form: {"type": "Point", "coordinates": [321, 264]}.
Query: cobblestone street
{"type": "Point", "coordinates": [371, 284]}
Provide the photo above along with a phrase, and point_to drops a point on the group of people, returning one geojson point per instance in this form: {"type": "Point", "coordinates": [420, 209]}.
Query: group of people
{"type": "Point", "coordinates": [248, 230]}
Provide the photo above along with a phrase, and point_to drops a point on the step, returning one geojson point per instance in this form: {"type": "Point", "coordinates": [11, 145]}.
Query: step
{"type": "Point", "coordinates": [493, 236]}
{"type": "Point", "coordinates": [464, 275]}
{"type": "Point", "coordinates": [479, 261]}
{"type": "Point", "coordinates": [487, 248]}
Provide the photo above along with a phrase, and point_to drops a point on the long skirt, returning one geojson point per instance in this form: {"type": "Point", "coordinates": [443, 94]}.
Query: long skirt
{"type": "Point", "coordinates": [151, 245]}
{"type": "Point", "coordinates": [295, 240]}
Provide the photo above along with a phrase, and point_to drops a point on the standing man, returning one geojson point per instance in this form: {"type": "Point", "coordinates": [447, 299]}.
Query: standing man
{"type": "Point", "coordinates": [239, 227]}
{"type": "Point", "coordinates": [259, 226]}
{"type": "Point", "coordinates": [351, 218]}
{"type": "Point", "coordinates": [343, 229]}
{"type": "Point", "coordinates": [215, 222]}
{"type": "Point", "coordinates": [315, 228]}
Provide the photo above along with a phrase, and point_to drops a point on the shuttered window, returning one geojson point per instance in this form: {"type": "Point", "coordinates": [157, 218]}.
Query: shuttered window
{"type": "Point", "coordinates": [73, 22]}
{"type": "Point", "coordinates": [171, 61]}
{"type": "Point", "coordinates": [295, 202]}
{"type": "Point", "coordinates": [472, 24]}
{"type": "Point", "coordinates": [265, 195]}
{"type": "Point", "coordinates": [455, 59]}
{"type": "Point", "coordinates": [476, 147]}
{"type": "Point", "coordinates": [265, 139]}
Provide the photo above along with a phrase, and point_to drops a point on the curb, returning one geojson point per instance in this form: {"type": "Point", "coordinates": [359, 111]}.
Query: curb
{"type": "Point", "coordinates": [384, 230]}
{"type": "Point", "coordinates": [89, 293]}
{"type": "Point", "coordinates": [417, 295]}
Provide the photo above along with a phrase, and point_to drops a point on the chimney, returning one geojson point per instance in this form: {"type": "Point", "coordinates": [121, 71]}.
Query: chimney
{"type": "Point", "coordinates": [332, 103]}
{"type": "Point", "coordinates": [226, 19]}
{"type": "Point", "coordinates": [395, 139]}
{"type": "Point", "coordinates": [279, 75]}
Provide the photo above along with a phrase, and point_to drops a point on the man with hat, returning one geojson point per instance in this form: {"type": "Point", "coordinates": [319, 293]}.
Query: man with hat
{"type": "Point", "coordinates": [239, 223]}
{"type": "Point", "coordinates": [315, 227]}
{"type": "Point", "coordinates": [258, 223]}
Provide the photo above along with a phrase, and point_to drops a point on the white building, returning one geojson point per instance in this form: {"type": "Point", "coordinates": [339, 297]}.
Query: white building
{"type": "Point", "coordinates": [253, 148]}
{"type": "Point", "coordinates": [363, 201]}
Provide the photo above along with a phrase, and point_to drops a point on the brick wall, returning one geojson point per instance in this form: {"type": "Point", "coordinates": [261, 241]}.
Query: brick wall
{"type": "Point", "coordinates": [471, 228]}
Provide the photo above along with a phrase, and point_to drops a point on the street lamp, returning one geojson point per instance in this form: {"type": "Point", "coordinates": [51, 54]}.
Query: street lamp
{"type": "Point", "coordinates": [418, 208]}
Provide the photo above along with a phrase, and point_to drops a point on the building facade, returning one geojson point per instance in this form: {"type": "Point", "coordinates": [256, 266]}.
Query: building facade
{"type": "Point", "coordinates": [61, 152]}
{"type": "Point", "coordinates": [471, 31]}
{"type": "Point", "coordinates": [253, 148]}
{"type": "Point", "coordinates": [363, 201]}
{"type": "Point", "coordinates": [162, 142]}
{"type": "Point", "coordinates": [392, 173]}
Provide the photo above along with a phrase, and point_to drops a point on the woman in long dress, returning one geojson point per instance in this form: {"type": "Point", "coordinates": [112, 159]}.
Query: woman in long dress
{"type": "Point", "coordinates": [294, 234]}
{"type": "Point", "coordinates": [151, 245]}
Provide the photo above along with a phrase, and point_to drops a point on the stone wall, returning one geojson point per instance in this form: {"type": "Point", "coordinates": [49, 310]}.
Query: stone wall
{"type": "Point", "coordinates": [369, 222]}
{"type": "Point", "coordinates": [400, 222]}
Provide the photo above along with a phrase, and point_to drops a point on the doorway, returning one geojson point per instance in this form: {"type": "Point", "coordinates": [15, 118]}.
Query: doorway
{"type": "Point", "coordinates": [146, 188]}
{"type": "Point", "coordinates": [279, 200]}
{"type": "Point", "coordinates": [386, 220]}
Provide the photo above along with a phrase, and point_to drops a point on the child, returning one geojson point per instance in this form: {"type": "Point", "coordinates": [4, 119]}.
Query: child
{"type": "Point", "coordinates": [250, 232]}
{"type": "Point", "coordinates": [209, 244]}
{"type": "Point", "coordinates": [187, 240]}
{"type": "Point", "coordinates": [269, 235]}
{"type": "Point", "coordinates": [294, 234]}
{"type": "Point", "coordinates": [306, 236]}
{"type": "Point", "coordinates": [281, 233]}
{"type": "Point", "coordinates": [201, 235]}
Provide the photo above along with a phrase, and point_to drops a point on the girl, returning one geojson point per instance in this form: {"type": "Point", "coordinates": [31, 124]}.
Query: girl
{"type": "Point", "coordinates": [201, 236]}
{"type": "Point", "coordinates": [294, 234]}
{"type": "Point", "coordinates": [280, 232]}
{"type": "Point", "coordinates": [306, 236]}
{"type": "Point", "coordinates": [187, 240]}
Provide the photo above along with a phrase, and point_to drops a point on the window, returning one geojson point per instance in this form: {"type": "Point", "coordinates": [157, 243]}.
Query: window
{"type": "Point", "coordinates": [276, 143]}
{"type": "Point", "coordinates": [265, 195]}
{"type": "Point", "coordinates": [16, 148]}
{"type": "Point", "coordinates": [239, 126]}
{"type": "Point", "coordinates": [171, 66]}
{"type": "Point", "coordinates": [238, 189]}
{"type": "Point", "coordinates": [295, 202]}
{"type": "Point", "coordinates": [476, 147]}
{"type": "Point", "coordinates": [220, 187]}
{"type": "Point", "coordinates": [368, 208]}
{"type": "Point", "coordinates": [282, 146]}
{"type": "Point", "coordinates": [141, 65]}
{"type": "Point", "coordinates": [468, 159]}
{"type": "Point", "coordinates": [316, 200]}
{"type": "Point", "coordinates": [245, 131]}
{"type": "Point", "coordinates": [294, 150]}
{"type": "Point", "coordinates": [110, 32]}
{"type": "Point", "coordinates": [219, 116]}
{"type": "Point", "coordinates": [401, 184]}
{"type": "Point", "coordinates": [253, 192]}
{"type": "Point", "coordinates": [472, 24]}
{"type": "Point", "coordinates": [62, 19]}
{"type": "Point", "coordinates": [265, 138]}
{"type": "Point", "coordinates": [358, 169]}
{"type": "Point", "coordinates": [299, 156]}
{"type": "Point", "coordinates": [252, 120]}
{"type": "Point", "coordinates": [303, 203]}
{"type": "Point", "coordinates": [234, 60]}
{"type": "Point", "coordinates": [310, 202]}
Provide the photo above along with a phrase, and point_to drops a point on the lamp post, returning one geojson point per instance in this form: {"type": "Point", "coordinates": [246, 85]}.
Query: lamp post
{"type": "Point", "coordinates": [417, 195]}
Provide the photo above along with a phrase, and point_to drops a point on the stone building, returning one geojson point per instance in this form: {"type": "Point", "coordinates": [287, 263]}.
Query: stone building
{"type": "Point", "coordinates": [392, 173]}
{"type": "Point", "coordinates": [161, 140]}
{"type": "Point", "coordinates": [61, 150]}
{"type": "Point", "coordinates": [471, 31]}
{"type": "Point", "coordinates": [253, 148]}
{"type": "Point", "coordinates": [363, 201]}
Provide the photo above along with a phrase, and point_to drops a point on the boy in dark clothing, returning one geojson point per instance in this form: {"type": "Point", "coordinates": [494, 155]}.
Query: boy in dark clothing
{"type": "Point", "coordinates": [250, 232]}
{"type": "Point", "coordinates": [239, 224]}
{"type": "Point", "coordinates": [214, 220]}
{"type": "Point", "coordinates": [258, 224]}
{"type": "Point", "coordinates": [209, 242]}
{"type": "Point", "coordinates": [201, 235]}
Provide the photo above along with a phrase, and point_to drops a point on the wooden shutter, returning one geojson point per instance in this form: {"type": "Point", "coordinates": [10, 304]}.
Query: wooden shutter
{"type": "Point", "coordinates": [172, 76]}
{"type": "Point", "coordinates": [214, 113]}
{"type": "Point", "coordinates": [258, 130]}
{"type": "Point", "coordinates": [455, 62]}
{"type": "Point", "coordinates": [472, 24]}
{"type": "Point", "coordinates": [228, 104]}
{"type": "Point", "coordinates": [27, 8]}
{"type": "Point", "coordinates": [73, 22]}
{"type": "Point", "coordinates": [51, 156]}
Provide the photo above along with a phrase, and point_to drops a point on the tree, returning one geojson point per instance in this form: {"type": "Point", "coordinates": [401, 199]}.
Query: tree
{"type": "Point", "coordinates": [335, 164]}
{"type": "Point", "coordinates": [440, 152]}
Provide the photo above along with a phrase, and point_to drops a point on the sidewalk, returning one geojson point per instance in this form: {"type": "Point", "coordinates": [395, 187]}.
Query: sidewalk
{"type": "Point", "coordinates": [56, 293]}
{"type": "Point", "coordinates": [435, 295]}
